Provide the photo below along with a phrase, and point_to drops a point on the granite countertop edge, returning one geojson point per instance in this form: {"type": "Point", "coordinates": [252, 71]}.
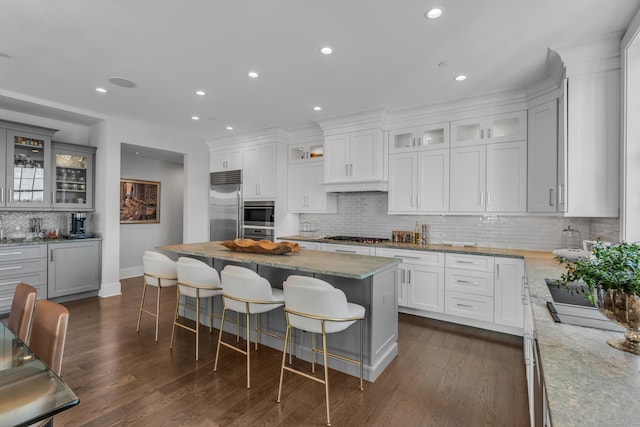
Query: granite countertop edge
{"type": "Point", "coordinates": [6, 243]}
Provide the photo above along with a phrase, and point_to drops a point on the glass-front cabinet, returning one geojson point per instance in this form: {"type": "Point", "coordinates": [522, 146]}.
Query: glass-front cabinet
{"type": "Point", "coordinates": [27, 164]}
{"type": "Point", "coordinates": [73, 176]}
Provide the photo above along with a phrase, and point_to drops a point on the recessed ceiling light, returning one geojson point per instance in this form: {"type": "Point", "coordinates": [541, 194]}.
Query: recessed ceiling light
{"type": "Point", "coordinates": [317, 108]}
{"type": "Point", "coordinates": [229, 128]}
{"type": "Point", "coordinates": [253, 74]}
{"type": "Point", "coordinates": [326, 50]}
{"type": "Point", "coordinates": [434, 13]}
{"type": "Point", "coordinates": [101, 90]}
{"type": "Point", "coordinates": [137, 153]}
{"type": "Point", "coordinates": [195, 118]}
{"type": "Point", "coordinates": [201, 93]}
{"type": "Point", "coordinates": [122, 82]}
{"type": "Point", "coordinates": [460, 78]}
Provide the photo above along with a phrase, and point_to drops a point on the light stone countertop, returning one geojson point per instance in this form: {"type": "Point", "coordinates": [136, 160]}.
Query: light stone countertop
{"type": "Point", "coordinates": [341, 265]}
{"type": "Point", "coordinates": [588, 383]}
{"type": "Point", "coordinates": [8, 243]}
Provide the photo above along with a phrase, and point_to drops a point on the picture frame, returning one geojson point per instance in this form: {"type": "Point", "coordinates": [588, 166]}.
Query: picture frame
{"type": "Point", "coordinates": [139, 201]}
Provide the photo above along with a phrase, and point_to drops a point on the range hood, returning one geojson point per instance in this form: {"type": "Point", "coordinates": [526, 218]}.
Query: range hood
{"type": "Point", "coordinates": [355, 187]}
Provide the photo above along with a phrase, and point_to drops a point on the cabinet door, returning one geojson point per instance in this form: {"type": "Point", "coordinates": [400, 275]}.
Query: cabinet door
{"type": "Point", "coordinates": [365, 155]}
{"type": "Point", "coordinates": [350, 249]}
{"type": "Point", "coordinates": [425, 287]}
{"type": "Point", "coordinates": [467, 179]}
{"type": "Point", "coordinates": [259, 171]}
{"type": "Point", "coordinates": [28, 167]}
{"type": "Point", "coordinates": [509, 310]}
{"type": "Point", "coordinates": [542, 149]}
{"type": "Point", "coordinates": [594, 142]}
{"type": "Point", "coordinates": [297, 188]}
{"type": "Point", "coordinates": [317, 199]}
{"type": "Point", "coordinates": [73, 178]}
{"type": "Point", "coordinates": [432, 180]}
{"type": "Point", "coordinates": [336, 168]}
{"type": "Point", "coordinates": [4, 168]}
{"type": "Point", "coordinates": [402, 182]}
{"type": "Point", "coordinates": [225, 160]}
{"type": "Point", "coordinates": [507, 177]}
{"type": "Point", "coordinates": [402, 140]}
{"type": "Point", "coordinates": [73, 268]}
{"type": "Point", "coordinates": [433, 137]}
{"type": "Point", "coordinates": [401, 280]}
{"type": "Point", "coordinates": [467, 132]}
{"type": "Point", "coordinates": [506, 127]}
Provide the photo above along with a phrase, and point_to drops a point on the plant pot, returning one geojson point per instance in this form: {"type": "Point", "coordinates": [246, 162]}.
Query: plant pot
{"type": "Point", "coordinates": [625, 310]}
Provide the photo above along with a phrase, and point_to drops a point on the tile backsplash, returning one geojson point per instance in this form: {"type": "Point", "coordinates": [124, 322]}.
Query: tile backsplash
{"type": "Point", "coordinates": [365, 214]}
{"type": "Point", "coordinates": [49, 220]}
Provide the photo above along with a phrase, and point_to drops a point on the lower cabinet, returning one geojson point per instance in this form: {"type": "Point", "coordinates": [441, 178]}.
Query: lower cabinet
{"type": "Point", "coordinates": [509, 282]}
{"type": "Point", "coordinates": [350, 249]}
{"type": "Point", "coordinates": [22, 263]}
{"type": "Point", "coordinates": [73, 267]}
{"type": "Point", "coordinates": [420, 279]}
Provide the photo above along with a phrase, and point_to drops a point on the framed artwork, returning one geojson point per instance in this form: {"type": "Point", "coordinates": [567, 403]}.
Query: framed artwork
{"type": "Point", "coordinates": [139, 201]}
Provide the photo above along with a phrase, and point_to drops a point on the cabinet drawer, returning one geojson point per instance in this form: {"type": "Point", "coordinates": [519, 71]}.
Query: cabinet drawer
{"type": "Point", "coordinates": [19, 268]}
{"type": "Point", "coordinates": [478, 307]}
{"type": "Point", "coordinates": [415, 257]}
{"type": "Point", "coordinates": [8, 287]}
{"type": "Point", "coordinates": [13, 253]}
{"type": "Point", "coordinates": [473, 282]}
{"type": "Point", "coordinates": [469, 262]}
{"type": "Point", "coordinates": [349, 249]}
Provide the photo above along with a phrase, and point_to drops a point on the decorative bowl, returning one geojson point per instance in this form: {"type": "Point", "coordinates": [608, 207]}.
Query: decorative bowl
{"type": "Point", "coordinates": [625, 310]}
{"type": "Point", "coordinates": [261, 247]}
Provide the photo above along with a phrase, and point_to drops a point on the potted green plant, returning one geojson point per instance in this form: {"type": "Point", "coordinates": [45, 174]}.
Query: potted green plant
{"type": "Point", "coordinates": [612, 280]}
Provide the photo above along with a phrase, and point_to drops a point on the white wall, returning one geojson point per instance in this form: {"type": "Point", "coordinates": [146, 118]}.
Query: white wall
{"type": "Point", "coordinates": [136, 238]}
{"type": "Point", "coordinates": [108, 136]}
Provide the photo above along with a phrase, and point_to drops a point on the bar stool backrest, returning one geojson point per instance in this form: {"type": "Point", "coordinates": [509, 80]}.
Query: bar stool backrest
{"type": "Point", "coordinates": [195, 272]}
{"type": "Point", "coordinates": [318, 298]}
{"type": "Point", "coordinates": [246, 284]}
{"type": "Point", "coordinates": [48, 333]}
{"type": "Point", "coordinates": [159, 265]}
{"type": "Point", "coordinates": [24, 301]}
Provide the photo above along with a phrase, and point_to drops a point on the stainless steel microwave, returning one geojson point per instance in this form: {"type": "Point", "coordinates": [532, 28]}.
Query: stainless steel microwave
{"type": "Point", "coordinates": [259, 213]}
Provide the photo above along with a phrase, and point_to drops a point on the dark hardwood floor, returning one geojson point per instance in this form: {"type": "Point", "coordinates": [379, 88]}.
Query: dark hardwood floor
{"type": "Point", "coordinates": [444, 375]}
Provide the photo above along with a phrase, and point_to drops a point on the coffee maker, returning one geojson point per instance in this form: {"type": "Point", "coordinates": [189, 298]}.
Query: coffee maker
{"type": "Point", "coordinates": [78, 223]}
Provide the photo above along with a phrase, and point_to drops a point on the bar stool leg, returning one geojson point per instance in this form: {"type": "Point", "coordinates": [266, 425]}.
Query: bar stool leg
{"type": "Point", "coordinates": [197, 323]}
{"type": "Point", "coordinates": [157, 310]}
{"type": "Point", "coordinates": [248, 350]}
{"type": "Point", "coordinates": [361, 358]}
{"type": "Point", "coordinates": [175, 318]}
{"type": "Point", "coordinates": [326, 371]}
{"type": "Point", "coordinates": [215, 365]}
{"type": "Point", "coordinates": [284, 358]}
{"type": "Point", "coordinates": [144, 291]}
{"type": "Point", "coordinates": [313, 352]}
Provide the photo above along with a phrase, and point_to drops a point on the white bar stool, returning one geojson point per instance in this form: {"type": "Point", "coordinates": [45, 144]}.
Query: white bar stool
{"type": "Point", "coordinates": [159, 271]}
{"type": "Point", "coordinates": [245, 291]}
{"type": "Point", "coordinates": [315, 306]}
{"type": "Point", "coordinates": [197, 280]}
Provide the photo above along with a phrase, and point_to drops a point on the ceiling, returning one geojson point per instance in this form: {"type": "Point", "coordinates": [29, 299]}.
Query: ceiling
{"type": "Point", "coordinates": [386, 55]}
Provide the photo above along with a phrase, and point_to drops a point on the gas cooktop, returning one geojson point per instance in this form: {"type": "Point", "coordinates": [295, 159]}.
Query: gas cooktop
{"type": "Point", "coordinates": [357, 239]}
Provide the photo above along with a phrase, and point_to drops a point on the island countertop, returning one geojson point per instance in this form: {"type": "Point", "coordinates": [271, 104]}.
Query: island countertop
{"type": "Point", "coordinates": [341, 265]}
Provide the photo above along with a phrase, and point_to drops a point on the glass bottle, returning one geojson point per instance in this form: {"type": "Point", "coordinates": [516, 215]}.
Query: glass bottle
{"type": "Point", "coordinates": [416, 234]}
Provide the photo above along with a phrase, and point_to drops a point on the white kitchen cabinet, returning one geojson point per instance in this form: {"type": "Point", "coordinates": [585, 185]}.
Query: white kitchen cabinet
{"type": "Point", "coordinates": [354, 157]}
{"type": "Point", "coordinates": [469, 286]}
{"type": "Point", "coordinates": [509, 279]}
{"type": "Point", "coordinates": [420, 278]}
{"type": "Point", "coordinates": [350, 249]}
{"type": "Point", "coordinates": [542, 156]}
{"type": "Point", "coordinates": [259, 171]}
{"type": "Point", "coordinates": [593, 144]}
{"type": "Point", "coordinates": [489, 178]}
{"type": "Point", "coordinates": [74, 267]}
{"type": "Point", "coordinates": [489, 129]}
{"type": "Point", "coordinates": [22, 263]}
{"type": "Point", "coordinates": [305, 191]}
{"type": "Point", "coordinates": [428, 137]}
{"type": "Point", "coordinates": [467, 179]}
{"type": "Point", "coordinates": [419, 182]}
{"type": "Point", "coordinates": [230, 159]}
{"type": "Point", "coordinates": [312, 246]}
{"type": "Point", "coordinates": [307, 152]}
{"type": "Point", "coordinates": [72, 176]}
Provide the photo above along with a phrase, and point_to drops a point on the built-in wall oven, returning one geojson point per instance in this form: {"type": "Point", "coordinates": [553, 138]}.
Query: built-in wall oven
{"type": "Point", "coordinates": [259, 220]}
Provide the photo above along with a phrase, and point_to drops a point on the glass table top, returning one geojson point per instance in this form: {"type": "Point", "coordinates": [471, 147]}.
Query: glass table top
{"type": "Point", "coordinates": [29, 390]}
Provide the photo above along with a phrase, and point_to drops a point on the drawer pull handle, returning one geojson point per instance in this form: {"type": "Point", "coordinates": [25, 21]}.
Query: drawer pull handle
{"type": "Point", "coordinates": [468, 281]}
{"type": "Point", "coordinates": [475, 307]}
{"type": "Point", "coordinates": [10, 283]}
{"type": "Point", "coordinates": [18, 267]}
{"type": "Point", "coordinates": [407, 257]}
{"type": "Point", "coordinates": [468, 262]}
{"type": "Point", "coordinates": [345, 251]}
{"type": "Point", "coordinates": [10, 253]}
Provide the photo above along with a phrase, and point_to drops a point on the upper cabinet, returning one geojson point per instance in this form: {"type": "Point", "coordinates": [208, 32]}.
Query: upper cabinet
{"type": "Point", "coordinates": [24, 175]}
{"type": "Point", "coordinates": [305, 191]}
{"type": "Point", "coordinates": [354, 158]}
{"type": "Point", "coordinates": [222, 160]}
{"type": "Point", "coordinates": [431, 137]}
{"type": "Point", "coordinates": [489, 129]}
{"type": "Point", "coordinates": [259, 169]}
{"type": "Point", "coordinates": [544, 192]}
{"type": "Point", "coordinates": [302, 153]}
{"type": "Point", "coordinates": [73, 175]}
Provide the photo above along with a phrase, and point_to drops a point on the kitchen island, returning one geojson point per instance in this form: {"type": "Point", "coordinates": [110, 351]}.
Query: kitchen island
{"type": "Point", "coordinates": [368, 281]}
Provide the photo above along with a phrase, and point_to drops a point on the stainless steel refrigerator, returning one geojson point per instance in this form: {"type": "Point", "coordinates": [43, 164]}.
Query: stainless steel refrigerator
{"type": "Point", "coordinates": [225, 205]}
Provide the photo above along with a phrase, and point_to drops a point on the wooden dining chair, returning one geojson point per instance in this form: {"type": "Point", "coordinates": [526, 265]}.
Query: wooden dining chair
{"type": "Point", "coordinates": [48, 333]}
{"type": "Point", "coordinates": [24, 300]}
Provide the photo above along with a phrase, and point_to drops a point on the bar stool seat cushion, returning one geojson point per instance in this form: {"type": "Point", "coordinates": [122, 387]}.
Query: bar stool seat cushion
{"type": "Point", "coordinates": [196, 274]}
